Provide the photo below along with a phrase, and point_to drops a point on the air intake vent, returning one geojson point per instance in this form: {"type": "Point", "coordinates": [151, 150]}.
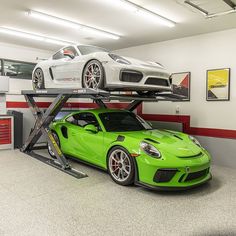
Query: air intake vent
{"type": "Point", "coordinates": [177, 137]}
{"type": "Point", "coordinates": [157, 81]}
{"type": "Point", "coordinates": [164, 175]}
{"type": "Point", "coordinates": [131, 76]}
{"type": "Point", "coordinates": [151, 140]}
{"type": "Point", "coordinates": [197, 175]}
{"type": "Point", "coordinates": [193, 156]}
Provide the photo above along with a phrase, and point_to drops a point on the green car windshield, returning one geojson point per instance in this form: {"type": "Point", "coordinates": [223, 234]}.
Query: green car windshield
{"type": "Point", "coordinates": [123, 121]}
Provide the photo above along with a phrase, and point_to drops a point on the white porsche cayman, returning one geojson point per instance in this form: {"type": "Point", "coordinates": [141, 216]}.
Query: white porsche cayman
{"type": "Point", "coordinates": [94, 67]}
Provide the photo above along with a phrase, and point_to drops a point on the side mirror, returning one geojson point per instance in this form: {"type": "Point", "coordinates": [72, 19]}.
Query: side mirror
{"type": "Point", "coordinates": [91, 128]}
{"type": "Point", "coordinates": [68, 53]}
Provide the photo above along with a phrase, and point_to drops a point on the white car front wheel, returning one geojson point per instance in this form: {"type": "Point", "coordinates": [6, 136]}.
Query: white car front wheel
{"type": "Point", "coordinates": [93, 75]}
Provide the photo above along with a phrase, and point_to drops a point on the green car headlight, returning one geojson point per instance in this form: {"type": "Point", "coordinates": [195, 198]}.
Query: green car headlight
{"type": "Point", "coordinates": [195, 141]}
{"type": "Point", "coordinates": [150, 149]}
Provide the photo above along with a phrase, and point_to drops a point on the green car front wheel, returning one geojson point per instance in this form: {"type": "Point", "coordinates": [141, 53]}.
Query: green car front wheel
{"type": "Point", "coordinates": [121, 166]}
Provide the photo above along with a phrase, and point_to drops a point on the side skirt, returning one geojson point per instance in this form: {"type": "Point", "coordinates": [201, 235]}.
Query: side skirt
{"type": "Point", "coordinates": [85, 162]}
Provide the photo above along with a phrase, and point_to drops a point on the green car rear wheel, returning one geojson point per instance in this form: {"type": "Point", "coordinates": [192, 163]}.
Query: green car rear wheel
{"type": "Point", "coordinates": [50, 151]}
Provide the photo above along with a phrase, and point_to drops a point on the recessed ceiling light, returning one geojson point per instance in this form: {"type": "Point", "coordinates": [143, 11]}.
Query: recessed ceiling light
{"type": "Point", "coordinates": [33, 36]}
{"type": "Point", "coordinates": [67, 23]}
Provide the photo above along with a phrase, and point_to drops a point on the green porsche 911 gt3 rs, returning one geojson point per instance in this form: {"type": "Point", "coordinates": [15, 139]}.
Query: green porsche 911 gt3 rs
{"type": "Point", "coordinates": [131, 150]}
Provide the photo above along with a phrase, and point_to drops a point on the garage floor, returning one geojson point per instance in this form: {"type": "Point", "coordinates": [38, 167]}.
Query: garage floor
{"type": "Point", "coordinates": [36, 199]}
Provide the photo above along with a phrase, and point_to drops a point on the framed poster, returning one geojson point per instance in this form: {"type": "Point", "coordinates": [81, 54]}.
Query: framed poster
{"type": "Point", "coordinates": [181, 84]}
{"type": "Point", "coordinates": [218, 85]}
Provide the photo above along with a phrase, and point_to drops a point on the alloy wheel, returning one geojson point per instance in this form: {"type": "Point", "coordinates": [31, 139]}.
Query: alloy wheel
{"type": "Point", "coordinates": [38, 79]}
{"type": "Point", "coordinates": [119, 165]}
{"type": "Point", "coordinates": [93, 76]}
{"type": "Point", "coordinates": [58, 143]}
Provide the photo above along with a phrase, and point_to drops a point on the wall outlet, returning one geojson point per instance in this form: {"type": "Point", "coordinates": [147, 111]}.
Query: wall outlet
{"type": "Point", "coordinates": [177, 109]}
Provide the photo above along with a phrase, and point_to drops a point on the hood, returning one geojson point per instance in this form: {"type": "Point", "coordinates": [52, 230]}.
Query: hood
{"type": "Point", "coordinates": [144, 63]}
{"type": "Point", "coordinates": [176, 144]}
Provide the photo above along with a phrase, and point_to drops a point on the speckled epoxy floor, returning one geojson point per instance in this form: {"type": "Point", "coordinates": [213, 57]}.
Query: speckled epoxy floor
{"type": "Point", "coordinates": [36, 199]}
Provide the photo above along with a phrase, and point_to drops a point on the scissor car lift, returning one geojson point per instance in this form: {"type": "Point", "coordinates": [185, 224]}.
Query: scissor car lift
{"type": "Point", "coordinates": [61, 96]}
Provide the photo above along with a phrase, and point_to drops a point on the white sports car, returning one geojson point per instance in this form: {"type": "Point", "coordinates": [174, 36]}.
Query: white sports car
{"type": "Point", "coordinates": [94, 67]}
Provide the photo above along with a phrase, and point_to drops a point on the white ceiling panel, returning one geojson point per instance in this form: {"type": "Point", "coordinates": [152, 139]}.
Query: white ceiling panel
{"type": "Point", "coordinates": [212, 6]}
{"type": "Point", "coordinates": [104, 14]}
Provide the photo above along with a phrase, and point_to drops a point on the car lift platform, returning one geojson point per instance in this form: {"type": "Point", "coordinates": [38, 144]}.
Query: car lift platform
{"type": "Point", "coordinates": [43, 119]}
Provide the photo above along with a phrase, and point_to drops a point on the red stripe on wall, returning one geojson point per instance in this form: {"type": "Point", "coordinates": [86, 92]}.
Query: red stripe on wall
{"type": "Point", "coordinates": [216, 133]}
{"type": "Point", "coordinates": [183, 119]}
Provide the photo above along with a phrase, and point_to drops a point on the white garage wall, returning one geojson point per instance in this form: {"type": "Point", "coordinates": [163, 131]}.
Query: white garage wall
{"type": "Point", "coordinates": [20, 53]}
{"type": "Point", "coordinates": [15, 52]}
{"type": "Point", "coordinates": [195, 54]}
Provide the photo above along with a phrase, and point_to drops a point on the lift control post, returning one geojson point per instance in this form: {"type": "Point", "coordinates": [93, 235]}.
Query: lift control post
{"type": "Point", "coordinates": [43, 119]}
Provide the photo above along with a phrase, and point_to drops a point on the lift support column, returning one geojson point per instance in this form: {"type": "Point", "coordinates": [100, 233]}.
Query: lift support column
{"type": "Point", "coordinates": [43, 120]}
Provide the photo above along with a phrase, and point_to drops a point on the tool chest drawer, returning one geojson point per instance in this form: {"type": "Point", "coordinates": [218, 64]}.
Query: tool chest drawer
{"type": "Point", "coordinates": [6, 132]}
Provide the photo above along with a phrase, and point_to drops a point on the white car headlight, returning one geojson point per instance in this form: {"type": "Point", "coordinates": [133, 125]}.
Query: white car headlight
{"type": "Point", "coordinates": [195, 141]}
{"type": "Point", "coordinates": [119, 59]}
{"type": "Point", "coordinates": [150, 149]}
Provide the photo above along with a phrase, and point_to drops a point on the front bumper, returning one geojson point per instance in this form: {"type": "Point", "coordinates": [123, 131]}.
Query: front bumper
{"type": "Point", "coordinates": [182, 173]}
{"type": "Point", "coordinates": [114, 79]}
{"type": "Point", "coordinates": [172, 188]}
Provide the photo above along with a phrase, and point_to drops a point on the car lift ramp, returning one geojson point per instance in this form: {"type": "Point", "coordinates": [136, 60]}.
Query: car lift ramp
{"type": "Point", "coordinates": [43, 119]}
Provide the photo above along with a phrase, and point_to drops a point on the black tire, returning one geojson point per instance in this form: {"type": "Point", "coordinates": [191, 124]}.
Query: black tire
{"type": "Point", "coordinates": [146, 93]}
{"type": "Point", "coordinates": [38, 79]}
{"type": "Point", "coordinates": [93, 79]}
{"type": "Point", "coordinates": [58, 143]}
{"type": "Point", "coordinates": [113, 165]}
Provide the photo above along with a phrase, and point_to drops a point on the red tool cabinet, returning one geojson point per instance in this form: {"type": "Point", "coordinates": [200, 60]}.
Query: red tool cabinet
{"type": "Point", "coordinates": [6, 132]}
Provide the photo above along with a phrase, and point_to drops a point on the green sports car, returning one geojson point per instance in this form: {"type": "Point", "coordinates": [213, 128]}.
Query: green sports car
{"type": "Point", "coordinates": [131, 150]}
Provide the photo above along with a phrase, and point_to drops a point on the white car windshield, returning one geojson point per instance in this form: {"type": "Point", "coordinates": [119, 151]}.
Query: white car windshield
{"type": "Point", "coordinates": [84, 50]}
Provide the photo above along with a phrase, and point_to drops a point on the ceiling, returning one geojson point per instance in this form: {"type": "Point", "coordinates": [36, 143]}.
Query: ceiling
{"type": "Point", "coordinates": [214, 6]}
{"type": "Point", "coordinates": [103, 14]}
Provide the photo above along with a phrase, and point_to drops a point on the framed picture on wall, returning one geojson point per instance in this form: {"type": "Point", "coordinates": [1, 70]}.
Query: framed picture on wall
{"type": "Point", "coordinates": [181, 84]}
{"type": "Point", "coordinates": [218, 85]}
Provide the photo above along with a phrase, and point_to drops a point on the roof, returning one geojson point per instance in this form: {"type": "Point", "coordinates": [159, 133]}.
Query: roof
{"type": "Point", "coordinates": [96, 111]}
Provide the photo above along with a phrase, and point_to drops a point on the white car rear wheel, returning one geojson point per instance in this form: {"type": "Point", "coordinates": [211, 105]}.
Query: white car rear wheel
{"type": "Point", "coordinates": [93, 75]}
{"type": "Point", "coordinates": [38, 79]}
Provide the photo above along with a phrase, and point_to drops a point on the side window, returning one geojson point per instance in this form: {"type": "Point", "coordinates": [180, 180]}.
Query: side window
{"type": "Point", "coordinates": [73, 119]}
{"type": "Point", "coordinates": [1, 66]}
{"type": "Point", "coordinates": [71, 50]}
{"type": "Point", "coordinates": [86, 119]}
{"type": "Point", "coordinates": [58, 55]}
{"type": "Point", "coordinates": [83, 119]}
{"type": "Point", "coordinates": [18, 69]}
